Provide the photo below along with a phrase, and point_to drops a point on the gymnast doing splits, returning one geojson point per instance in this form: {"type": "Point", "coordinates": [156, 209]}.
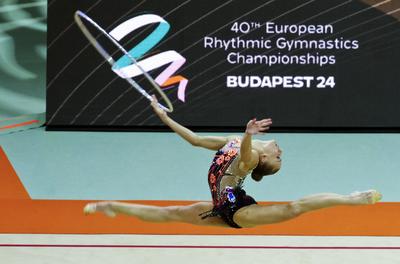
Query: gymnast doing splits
{"type": "Point", "coordinates": [236, 157]}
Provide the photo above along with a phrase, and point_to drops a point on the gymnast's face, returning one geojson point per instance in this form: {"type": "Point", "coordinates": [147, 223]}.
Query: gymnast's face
{"type": "Point", "coordinates": [271, 153]}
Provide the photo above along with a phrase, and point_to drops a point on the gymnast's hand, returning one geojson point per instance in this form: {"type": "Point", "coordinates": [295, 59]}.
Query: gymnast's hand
{"type": "Point", "coordinates": [258, 127]}
{"type": "Point", "coordinates": [156, 107]}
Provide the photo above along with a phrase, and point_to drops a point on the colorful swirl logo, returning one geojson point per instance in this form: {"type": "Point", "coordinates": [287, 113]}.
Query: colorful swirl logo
{"type": "Point", "coordinates": [124, 66]}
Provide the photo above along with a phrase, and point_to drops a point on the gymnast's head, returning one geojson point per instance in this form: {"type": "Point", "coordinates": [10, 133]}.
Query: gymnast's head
{"type": "Point", "coordinates": [269, 159]}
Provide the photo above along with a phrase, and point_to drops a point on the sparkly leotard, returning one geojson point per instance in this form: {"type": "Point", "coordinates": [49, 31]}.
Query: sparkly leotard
{"type": "Point", "coordinates": [225, 181]}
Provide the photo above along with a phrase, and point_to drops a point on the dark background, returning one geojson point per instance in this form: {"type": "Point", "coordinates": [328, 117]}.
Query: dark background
{"type": "Point", "coordinates": [83, 92]}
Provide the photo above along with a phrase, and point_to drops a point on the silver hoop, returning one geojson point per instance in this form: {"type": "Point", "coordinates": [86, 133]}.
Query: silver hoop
{"type": "Point", "coordinates": [78, 15]}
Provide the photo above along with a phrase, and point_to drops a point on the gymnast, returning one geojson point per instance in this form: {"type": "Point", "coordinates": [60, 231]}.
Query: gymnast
{"type": "Point", "coordinates": [236, 157]}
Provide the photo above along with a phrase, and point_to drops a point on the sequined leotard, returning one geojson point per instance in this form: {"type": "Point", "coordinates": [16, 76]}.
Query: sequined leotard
{"type": "Point", "coordinates": [225, 181]}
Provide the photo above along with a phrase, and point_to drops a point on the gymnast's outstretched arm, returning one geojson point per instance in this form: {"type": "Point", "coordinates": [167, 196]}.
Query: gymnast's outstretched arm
{"type": "Point", "coordinates": [249, 157]}
{"type": "Point", "coordinates": [208, 142]}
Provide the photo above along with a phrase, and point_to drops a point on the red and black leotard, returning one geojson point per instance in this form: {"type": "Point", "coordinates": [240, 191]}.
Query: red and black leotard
{"type": "Point", "coordinates": [227, 199]}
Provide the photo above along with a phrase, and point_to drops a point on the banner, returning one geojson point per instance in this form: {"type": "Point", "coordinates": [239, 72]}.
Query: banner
{"type": "Point", "coordinates": [306, 64]}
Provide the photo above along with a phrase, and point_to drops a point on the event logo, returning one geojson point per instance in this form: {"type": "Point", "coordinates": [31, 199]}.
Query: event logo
{"type": "Point", "coordinates": [126, 68]}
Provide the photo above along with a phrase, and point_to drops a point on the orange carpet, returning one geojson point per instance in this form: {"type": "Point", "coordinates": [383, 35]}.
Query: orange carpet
{"type": "Point", "coordinates": [20, 214]}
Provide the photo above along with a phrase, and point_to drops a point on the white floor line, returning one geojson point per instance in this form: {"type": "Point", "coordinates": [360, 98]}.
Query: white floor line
{"type": "Point", "coordinates": [191, 248]}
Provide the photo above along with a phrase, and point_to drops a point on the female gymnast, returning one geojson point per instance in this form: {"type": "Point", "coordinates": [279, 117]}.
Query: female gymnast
{"type": "Point", "coordinates": [236, 157]}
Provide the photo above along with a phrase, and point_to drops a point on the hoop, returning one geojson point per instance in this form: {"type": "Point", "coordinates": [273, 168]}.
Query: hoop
{"type": "Point", "coordinates": [78, 15]}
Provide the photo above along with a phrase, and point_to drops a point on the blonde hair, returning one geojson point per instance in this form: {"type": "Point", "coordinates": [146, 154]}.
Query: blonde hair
{"type": "Point", "coordinates": [262, 169]}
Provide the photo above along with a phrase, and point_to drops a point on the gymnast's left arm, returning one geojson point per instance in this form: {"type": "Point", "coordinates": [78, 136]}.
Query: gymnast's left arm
{"type": "Point", "coordinates": [208, 142]}
{"type": "Point", "coordinates": [248, 156]}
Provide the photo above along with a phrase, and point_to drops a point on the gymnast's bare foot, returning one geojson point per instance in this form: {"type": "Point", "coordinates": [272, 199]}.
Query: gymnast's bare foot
{"type": "Point", "coordinates": [367, 197]}
{"type": "Point", "coordinates": [104, 207]}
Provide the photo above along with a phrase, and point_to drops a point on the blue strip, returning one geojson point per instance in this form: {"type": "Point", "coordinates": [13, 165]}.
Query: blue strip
{"type": "Point", "coordinates": [144, 46]}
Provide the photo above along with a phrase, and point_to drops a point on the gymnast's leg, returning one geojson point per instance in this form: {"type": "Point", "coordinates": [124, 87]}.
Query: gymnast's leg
{"type": "Point", "coordinates": [185, 214]}
{"type": "Point", "coordinates": [254, 215]}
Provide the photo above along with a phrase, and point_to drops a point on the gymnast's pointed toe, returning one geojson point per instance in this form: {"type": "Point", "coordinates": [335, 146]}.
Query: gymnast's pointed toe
{"type": "Point", "coordinates": [89, 209]}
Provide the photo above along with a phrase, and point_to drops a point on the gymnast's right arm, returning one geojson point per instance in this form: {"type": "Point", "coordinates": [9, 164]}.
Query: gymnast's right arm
{"type": "Point", "coordinates": [208, 142]}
